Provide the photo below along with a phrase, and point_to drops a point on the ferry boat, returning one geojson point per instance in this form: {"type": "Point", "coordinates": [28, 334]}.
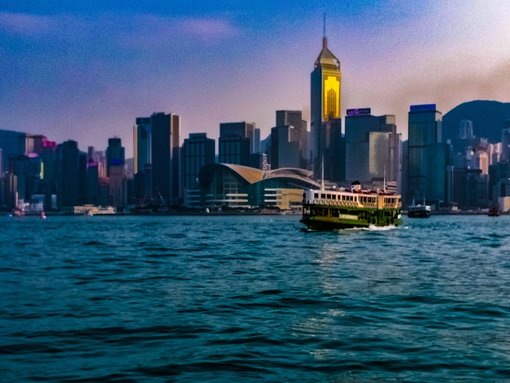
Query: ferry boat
{"type": "Point", "coordinates": [419, 210]}
{"type": "Point", "coordinates": [350, 208]}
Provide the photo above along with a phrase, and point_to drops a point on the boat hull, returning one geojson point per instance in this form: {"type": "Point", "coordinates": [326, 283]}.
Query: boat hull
{"type": "Point", "coordinates": [418, 214]}
{"type": "Point", "coordinates": [338, 219]}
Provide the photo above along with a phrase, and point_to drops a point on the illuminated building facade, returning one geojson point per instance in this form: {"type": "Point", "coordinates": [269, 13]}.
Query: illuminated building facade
{"type": "Point", "coordinates": [325, 102]}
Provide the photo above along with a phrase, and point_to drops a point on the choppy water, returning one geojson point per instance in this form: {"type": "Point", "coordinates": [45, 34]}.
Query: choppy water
{"type": "Point", "coordinates": [231, 299]}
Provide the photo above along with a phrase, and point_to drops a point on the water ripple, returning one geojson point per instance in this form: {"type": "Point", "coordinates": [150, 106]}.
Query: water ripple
{"type": "Point", "coordinates": [220, 299]}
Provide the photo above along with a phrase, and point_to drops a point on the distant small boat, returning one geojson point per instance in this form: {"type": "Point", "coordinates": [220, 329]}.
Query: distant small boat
{"type": "Point", "coordinates": [18, 212]}
{"type": "Point", "coordinates": [108, 210]}
{"type": "Point", "coordinates": [419, 210]}
{"type": "Point", "coordinates": [494, 212]}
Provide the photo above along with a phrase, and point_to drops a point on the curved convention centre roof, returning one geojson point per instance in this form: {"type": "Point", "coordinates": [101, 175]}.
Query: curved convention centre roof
{"type": "Point", "coordinates": [254, 175]}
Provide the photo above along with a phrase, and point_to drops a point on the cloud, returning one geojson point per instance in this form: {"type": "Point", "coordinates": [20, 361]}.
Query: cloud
{"type": "Point", "coordinates": [135, 30]}
{"type": "Point", "coordinates": [207, 29]}
{"type": "Point", "coordinates": [152, 30]}
{"type": "Point", "coordinates": [26, 24]}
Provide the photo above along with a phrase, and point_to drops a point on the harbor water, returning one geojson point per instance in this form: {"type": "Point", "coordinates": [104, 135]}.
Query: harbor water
{"type": "Point", "coordinates": [253, 298]}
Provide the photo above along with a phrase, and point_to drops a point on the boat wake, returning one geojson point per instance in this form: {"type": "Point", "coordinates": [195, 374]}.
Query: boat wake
{"type": "Point", "coordinates": [380, 228]}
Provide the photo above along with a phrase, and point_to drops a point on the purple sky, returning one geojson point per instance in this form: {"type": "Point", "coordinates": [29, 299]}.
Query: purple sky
{"type": "Point", "coordinates": [85, 72]}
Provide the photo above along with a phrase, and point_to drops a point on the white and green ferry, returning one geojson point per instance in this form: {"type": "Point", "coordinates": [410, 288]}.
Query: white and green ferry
{"type": "Point", "coordinates": [350, 208]}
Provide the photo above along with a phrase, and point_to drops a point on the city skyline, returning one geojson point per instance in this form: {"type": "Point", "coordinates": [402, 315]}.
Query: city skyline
{"type": "Point", "coordinates": [74, 68]}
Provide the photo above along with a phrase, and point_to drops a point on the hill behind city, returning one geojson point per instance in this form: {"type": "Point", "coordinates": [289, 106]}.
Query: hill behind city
{"type": "Point", "coordinates": [488, 119]}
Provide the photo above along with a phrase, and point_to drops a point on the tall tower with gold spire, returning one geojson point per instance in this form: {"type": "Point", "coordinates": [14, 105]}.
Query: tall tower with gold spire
{"type": "Point", "coordinates": [325, 101]}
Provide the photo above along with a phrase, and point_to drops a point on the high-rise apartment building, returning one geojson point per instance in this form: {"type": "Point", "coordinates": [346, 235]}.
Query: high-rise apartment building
{"type": "Point", "coordinates": [325, 102]}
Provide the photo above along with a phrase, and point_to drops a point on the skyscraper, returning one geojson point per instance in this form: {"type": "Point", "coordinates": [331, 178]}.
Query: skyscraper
{"type": "Point", "coordinates": [505, 141]}
{"type": "Point", "coordinates": [372, 146]}
{"type": "Point", "coordinates": [236, 143]}
{"type": "Point", "coordinates": [156, 162]}
{"type": "Point", "coordinates": [284, 147]}
{"type": "Point", "coordinates": [295, 118]}
{"type": "Point", "coordinates": [325, 101]}
{"type": "Point", "coordinates": [12, 144]}
{"type": "Point", "coordinates": [68, 174]}
{"type": "Point", "coordinates": [116, 174]}
{"type": "Point", "coordinates": [427, 156]}
{"type": "Point", "coordinates": [197, 151]}
{"type": "Point", "coordinates": [114, 154]}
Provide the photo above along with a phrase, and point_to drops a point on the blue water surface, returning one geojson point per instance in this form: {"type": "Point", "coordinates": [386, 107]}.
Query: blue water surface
{"type": "Point", "coordinates": [253, 298]}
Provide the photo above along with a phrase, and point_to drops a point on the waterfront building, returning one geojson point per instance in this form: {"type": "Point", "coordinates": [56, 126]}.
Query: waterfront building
{"type": "Point", "coordinates": [236, 143]}
{"type": "Point", "coordinates": [116, 170]}
{"type": "Point", "coordinates": [49, 174]}
{"type": "Point", "coordinates": [142, 143]}
{"type": "Point", "coordinates": [10, 193]}
{"type": "Point", "coordinates": [470, 189]}
{"type": "Point", "coordinates": [372, 147]}
{"type": "Point", "coordinates": [325, 103]}
{"type": "Point", "coordinates": [92, 183]}
{"type": "Point", "coordinates": [231, 186]}
{"type": "Point", "coordinates": [156, 162]}
{"type": "Point", "coordinates": [427, 155]}
{"type": "Point", "coordinates": [117, 183]}
{"type": "Point", "coordinates": [498, 173]}
{"type": "Point", "coordinates": [197, 151]}
{"type": "Point", "coordinates": [68, 174]}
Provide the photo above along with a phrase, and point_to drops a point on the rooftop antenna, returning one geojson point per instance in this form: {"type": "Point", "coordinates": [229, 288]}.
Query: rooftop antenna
{"type": "Point", "coordinates": [324, 38]}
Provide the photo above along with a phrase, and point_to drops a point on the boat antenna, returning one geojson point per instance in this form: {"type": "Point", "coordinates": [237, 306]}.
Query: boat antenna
{"type": "Point", "coordinates": [384, 178]}
{"type": "Point", "coordinates": [322, 171]}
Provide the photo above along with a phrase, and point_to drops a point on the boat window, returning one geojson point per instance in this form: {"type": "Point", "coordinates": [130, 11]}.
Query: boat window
{"type": "Point", "coordinates": [323, 196]}
{"type": "Point", "coordinates": [316, 195]}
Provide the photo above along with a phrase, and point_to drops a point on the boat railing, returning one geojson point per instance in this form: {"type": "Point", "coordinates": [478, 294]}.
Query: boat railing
{"type": "Point", "coordinates": [328, 202]}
